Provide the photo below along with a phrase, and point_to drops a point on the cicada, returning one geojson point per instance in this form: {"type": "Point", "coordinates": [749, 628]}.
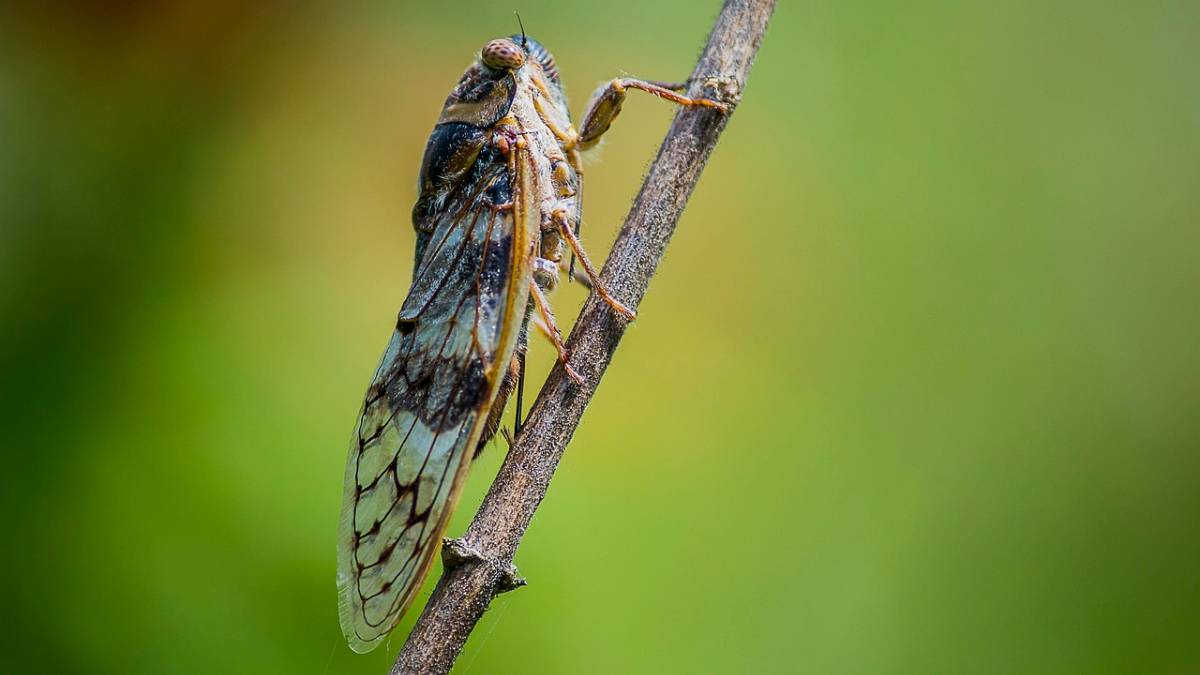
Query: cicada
{"type": "Point", "coordinates": [499, 203]}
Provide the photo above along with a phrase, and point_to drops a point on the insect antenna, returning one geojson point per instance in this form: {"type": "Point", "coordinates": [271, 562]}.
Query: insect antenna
{"type": "Point", "coordinates": [524, 40]}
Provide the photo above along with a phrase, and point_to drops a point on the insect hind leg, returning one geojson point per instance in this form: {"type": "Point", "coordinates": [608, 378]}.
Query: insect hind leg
{"type": "Point", "coordinates": [606, 103]}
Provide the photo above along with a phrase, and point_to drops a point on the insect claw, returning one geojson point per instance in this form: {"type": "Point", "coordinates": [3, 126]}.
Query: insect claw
{"type": "Point", "coordinates": [572, 373]}
{"type": "Point", "coordinates": [619, 307]}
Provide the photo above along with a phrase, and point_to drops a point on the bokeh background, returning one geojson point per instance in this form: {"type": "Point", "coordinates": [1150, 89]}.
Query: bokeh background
{"type": "Point", "coordinates": [916, 389]}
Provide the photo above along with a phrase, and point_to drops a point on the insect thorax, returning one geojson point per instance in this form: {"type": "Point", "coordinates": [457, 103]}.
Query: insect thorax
{"type": "Point", "coordinates": [470, 151]}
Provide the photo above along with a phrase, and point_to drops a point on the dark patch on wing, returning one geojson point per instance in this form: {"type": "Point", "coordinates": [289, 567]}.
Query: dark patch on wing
{"type": "Point", "coordinates": [486, 186]}
{"type": "Point", "coordinates": [449, 154]}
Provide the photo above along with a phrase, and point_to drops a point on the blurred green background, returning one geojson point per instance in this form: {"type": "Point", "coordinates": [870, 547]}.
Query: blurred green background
{"type": "Point", "coordinates": [916, 389]}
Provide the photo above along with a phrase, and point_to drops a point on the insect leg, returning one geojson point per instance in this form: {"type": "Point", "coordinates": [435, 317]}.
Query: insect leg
{"type": "Point", "coordinates": [541, 327]}
{"type": "Point", "coordinates": [673, 86]}
{"type": "Point", "coordinates": [578, 221]}
{"type": "Point", "coordinates": [595, 284]}
{"type": "Point", "coordinates": [574, 274]}
{"type": "Point", "coordinates": [512, 379]}
{"type": "Point", "coordinates": [520, 394]}
{"type": "Point", "coordinates": [553, 332]}
{"type": "Point", "coordinates": [606, 103]}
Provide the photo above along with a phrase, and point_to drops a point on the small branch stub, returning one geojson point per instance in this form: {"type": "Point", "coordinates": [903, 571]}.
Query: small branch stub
{"type": "Point", "coordinates": [456, 553]}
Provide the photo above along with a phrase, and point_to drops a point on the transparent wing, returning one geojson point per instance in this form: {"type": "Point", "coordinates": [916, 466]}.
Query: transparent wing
{"type": "Point", "coordinates": [429, 399]}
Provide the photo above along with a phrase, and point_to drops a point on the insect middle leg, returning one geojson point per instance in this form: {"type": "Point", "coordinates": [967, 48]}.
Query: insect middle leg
{"type": "Point", "coordinates": [560, 218]}
{"type": "Point", "coordinates": [606, 103]}
{"type": "Point", "coordinates": [552, 331]}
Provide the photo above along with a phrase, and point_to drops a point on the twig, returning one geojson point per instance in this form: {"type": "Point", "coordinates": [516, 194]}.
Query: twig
{"type": "Point", "coordinates": [479, 566]}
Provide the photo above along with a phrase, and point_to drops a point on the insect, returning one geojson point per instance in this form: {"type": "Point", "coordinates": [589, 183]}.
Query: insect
{"type": "Point", "coordinates": [500, 195]}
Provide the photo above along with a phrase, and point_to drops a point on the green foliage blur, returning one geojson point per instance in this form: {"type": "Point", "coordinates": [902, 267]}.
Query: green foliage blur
{"type": "Point", "coordinates": [915, 391]}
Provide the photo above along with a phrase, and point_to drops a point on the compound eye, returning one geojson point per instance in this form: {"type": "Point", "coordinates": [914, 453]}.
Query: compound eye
{"type": "Point", "coordinates": [502, 54]}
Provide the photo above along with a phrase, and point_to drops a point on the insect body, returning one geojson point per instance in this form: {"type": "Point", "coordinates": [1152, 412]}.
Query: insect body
{"type": "Point", "coordinates": [500, 190]}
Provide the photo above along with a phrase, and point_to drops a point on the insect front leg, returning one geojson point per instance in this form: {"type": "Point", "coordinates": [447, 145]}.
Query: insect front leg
{"type": "Point", "coordinates": [606, 102]}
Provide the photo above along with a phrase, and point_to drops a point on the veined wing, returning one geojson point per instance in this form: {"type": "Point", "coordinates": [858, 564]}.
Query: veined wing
{"type": "Point", "coordinates": [427, 405]}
